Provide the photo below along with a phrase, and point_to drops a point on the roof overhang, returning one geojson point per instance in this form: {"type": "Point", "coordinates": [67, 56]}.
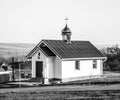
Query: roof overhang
{"type": "Point", "coordinates": [29, 56]}
{"type": "Point", "coordinates": [34, 50]}
{"type": "Point", "coordinates": [87, 58]}
{"type": "Point", "coordinates": [37, 48]}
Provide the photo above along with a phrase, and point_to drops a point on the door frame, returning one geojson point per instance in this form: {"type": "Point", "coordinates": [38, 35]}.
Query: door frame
{"type": "Point", "coordinates": [41, 72]}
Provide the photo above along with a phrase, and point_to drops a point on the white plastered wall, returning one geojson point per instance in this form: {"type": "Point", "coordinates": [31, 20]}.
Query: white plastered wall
{"type": "Point", "coordinates": [86, 69]}
{"type": "Point", "coordinates": [51, 66]}
{"type": "Point", "coordinates": [58, 68]}
{"type": "Point", "coordinates": [34, 59]}
{"type": "Point", "coordinates": [54, 69]}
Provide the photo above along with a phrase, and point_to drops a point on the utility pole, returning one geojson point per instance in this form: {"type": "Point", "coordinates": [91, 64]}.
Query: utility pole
{"type": "Point", "coordinates": [13, 74]}
{"type": "Point", "coordinates": [19, 74]}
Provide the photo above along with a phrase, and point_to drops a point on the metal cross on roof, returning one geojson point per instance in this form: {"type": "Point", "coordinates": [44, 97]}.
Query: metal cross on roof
{"type": "Point", "coordinates": [66, 19]}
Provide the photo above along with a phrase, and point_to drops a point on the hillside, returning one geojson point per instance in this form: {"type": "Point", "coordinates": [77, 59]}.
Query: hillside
{"type": "Point", "coordinates": [14, 49]}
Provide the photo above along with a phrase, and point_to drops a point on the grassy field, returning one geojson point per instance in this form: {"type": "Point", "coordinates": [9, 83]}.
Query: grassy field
{"type": "Point", "coordinates": [108, 90]}
{"type": "Point", "coordinates": [60, 95]}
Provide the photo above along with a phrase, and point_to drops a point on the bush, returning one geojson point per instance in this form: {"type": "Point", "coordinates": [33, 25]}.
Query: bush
{"type": "Point", "coordinates": [114, 65]}
{"type": "Point", "coordinates": [113, 58]}
{"type": "Point", "coordinates": [4, 78]}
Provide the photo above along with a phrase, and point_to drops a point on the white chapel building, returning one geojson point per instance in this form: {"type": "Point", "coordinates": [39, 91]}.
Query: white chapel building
{"type": "Point", "coordinates": [66, 59]}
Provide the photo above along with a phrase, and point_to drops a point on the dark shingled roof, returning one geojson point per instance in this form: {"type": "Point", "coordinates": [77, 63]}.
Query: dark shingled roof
{"type": "Point", "coordinates": [75, 49]}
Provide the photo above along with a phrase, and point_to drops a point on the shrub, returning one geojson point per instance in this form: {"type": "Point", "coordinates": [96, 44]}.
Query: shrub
{"type": "Point", "coordinates": [114, 65]}
{"type": "Point", "coordinates": [4, 78]}
{"type": "Point", "coordinates": [113, 58]}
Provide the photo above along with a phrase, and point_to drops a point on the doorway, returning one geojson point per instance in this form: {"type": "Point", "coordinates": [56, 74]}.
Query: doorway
{"type": "Point", "coordinates": [39, 68]}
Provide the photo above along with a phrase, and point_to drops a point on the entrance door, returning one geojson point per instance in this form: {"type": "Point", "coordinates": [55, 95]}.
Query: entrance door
{"type": "Point", "coordinates": [39, 68]}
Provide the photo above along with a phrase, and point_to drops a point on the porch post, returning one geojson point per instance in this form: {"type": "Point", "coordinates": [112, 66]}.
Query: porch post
{"type": "Point", "coordinates": [46, 80]}
{"type": "Point", "coordinates": [101, 67]}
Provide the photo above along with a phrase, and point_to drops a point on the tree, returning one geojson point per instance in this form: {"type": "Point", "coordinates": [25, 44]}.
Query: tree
{"type": "Point", "coordinates": [113, 58]}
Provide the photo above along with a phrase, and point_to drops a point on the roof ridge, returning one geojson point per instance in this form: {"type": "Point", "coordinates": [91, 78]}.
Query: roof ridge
{"type": "Point", "coordinates": [63, 41]}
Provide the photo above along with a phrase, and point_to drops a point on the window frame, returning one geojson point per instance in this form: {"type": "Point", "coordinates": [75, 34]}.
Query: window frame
{"type": "Point", "coordinates": [94, 64]}
{"type": "Point", "coordinates": [77, 65]}
{"type": "Point", "coordinates": [39, 55]}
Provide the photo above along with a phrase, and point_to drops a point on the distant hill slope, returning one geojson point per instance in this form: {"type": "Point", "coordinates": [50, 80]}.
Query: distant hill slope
{"type": "Point", "coordinates": [14, 49]}
{"type": "Point", "coordinates": [105, 46]}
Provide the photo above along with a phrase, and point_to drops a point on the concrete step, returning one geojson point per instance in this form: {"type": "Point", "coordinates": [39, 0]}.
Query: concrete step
{"type": "Point", "coordinates": [37, 79]}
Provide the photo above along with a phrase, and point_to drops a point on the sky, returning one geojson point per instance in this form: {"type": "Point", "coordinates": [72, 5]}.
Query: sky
{"type": "Point", "coordinates": [29, 21]}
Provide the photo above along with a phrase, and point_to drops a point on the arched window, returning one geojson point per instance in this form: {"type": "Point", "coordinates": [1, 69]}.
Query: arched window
{"type": "Point", "coordinates": [38, 55]}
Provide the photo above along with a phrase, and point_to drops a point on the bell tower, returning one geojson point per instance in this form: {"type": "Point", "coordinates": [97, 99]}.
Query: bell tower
{"type": "Point", "coordinates": [66, 33]}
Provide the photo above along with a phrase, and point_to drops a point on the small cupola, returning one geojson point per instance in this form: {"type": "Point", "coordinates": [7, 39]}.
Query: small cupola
{"type": "Point", "coordinates": [66, 34]}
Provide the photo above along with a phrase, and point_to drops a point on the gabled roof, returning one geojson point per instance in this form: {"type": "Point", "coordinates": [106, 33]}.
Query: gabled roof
{"type": "Point", "coordinates": [75, 49]}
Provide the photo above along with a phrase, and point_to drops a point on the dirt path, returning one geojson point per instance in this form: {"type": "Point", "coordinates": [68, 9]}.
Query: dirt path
{"type": "Point", "coordinates": [63, 88]}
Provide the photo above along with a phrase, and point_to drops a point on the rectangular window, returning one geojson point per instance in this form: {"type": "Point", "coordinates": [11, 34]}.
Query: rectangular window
{"type": "Point", "coordinates": [95, 64]}
{"type": "Point", "coordinates": [77, 65]}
